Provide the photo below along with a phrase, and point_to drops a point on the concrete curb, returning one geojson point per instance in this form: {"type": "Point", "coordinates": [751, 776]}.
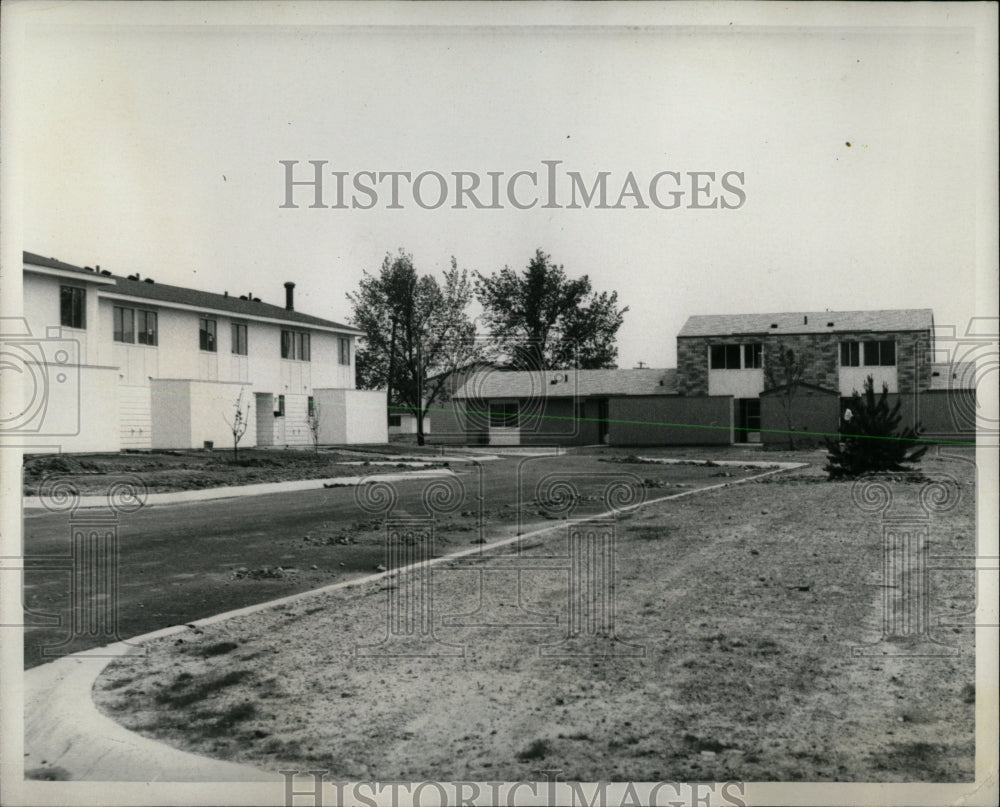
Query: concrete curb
{"type": "Point", "coordinates": [64, 728]}
{"type": "Point", "coordinates": [237, 491]}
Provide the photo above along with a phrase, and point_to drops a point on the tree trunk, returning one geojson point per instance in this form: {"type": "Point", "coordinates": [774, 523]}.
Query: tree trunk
{"type": "Point", "coordinates": [420, 426]}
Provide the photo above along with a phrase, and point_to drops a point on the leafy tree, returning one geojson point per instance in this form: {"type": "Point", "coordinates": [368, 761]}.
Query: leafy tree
{"type": "Point", "coordinates": [786, 370]}
{"type": "Point", "coordinates": [871, 439]}
{"type": "Point", "coordinates": [417, 331]}
{"type": "Point", "coordinates": [542, 319]}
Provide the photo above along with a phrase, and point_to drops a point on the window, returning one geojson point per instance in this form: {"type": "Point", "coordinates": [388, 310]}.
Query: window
{"type": "Point", "coordinates": [310, 407]}
{"type": "Point", "coordinates": [239, 339]}
{"type": "Point", "coordinates": [206, 335]}
{"type": "Point", "coordinates": [503, 415]}
{"type": "Point", "coordinates": [850, 355]}
{"type": "Point", "coordinates": [880, 353]}
{"type": "Point", "coordinates": [124, 325]}
{"type": "Point", "coordinates": [147, 328]}
{"type": "Point", "coordinates": [295, 346]}
{"type": "Point", "coordinates": [753, 356]}
{"type": "Point", "coordinates": [280, 413]}
{"type": "Point", "coordinates": [125, 320]}
{"type": "Point", "coordinates": [725, 357]}
{"type": "Point", "coordinates": [395, 421]}
{"type": "Point", "coordinates": [73, 307]}
{"type": "Point", "coordinates": [345, 350]}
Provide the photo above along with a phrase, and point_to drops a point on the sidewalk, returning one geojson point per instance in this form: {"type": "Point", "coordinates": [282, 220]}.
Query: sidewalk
{"type": "Point", "coordinates": [65, 733]}
{"type": "Point", "coordinates": [236, 491]}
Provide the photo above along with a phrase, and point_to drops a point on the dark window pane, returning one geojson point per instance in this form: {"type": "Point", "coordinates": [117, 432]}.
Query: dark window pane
{"type": "Point", "coordinates": [871, 354]}
{"type": "Point", "coordinates": [72, 307]}
{"type": "Point", "coordinates": [718, 357]}
{"type": "Point", "coordinates": [887, 354]}
{"type": "Point", "coordinates": [732, 357]}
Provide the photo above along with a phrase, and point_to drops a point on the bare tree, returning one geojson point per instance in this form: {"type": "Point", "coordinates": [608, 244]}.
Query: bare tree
{"type": "Point", "coordinates": [239, 422]}
{"type": "Point", "coordinates": [786, 370]}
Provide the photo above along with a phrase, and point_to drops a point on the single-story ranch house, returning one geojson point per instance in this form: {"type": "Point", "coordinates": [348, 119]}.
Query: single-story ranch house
{"type": "Point", "coordinates": [113, 363]}
{"type": "Point", "coordinates": [736, 379]}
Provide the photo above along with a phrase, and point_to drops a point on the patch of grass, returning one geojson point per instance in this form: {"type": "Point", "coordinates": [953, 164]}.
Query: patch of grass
{"type": "Point", "coordinates": [182, 693]}
{"type": "Point", "coordinates": [48, 773]}
{"type": "Point", "coordinates": [538, 749]}
{"type": "Point", "coordinates": [216, 649]}
{"type": "Point", "coordinates": [227, 720]}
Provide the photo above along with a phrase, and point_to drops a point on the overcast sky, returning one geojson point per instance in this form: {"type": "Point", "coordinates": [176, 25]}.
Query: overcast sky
{"type": "Point", "coordinates": [156, 150]}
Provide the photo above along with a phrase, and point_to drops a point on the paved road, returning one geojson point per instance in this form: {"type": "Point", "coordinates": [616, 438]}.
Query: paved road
{"type": "Point", "coordinates": [176, 563]}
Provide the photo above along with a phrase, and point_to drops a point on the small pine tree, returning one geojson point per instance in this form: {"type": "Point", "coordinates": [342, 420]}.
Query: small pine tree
{"type": "Point", "coordinates": [872, 441]}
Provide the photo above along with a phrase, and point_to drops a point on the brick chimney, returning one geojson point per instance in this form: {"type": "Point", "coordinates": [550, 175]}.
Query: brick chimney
{"type": "Point", "coordinates": [289, 296]}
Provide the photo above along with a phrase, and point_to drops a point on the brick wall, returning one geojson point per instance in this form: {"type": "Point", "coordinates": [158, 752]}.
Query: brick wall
{"type": "Point", "coordinates": [912, 361]}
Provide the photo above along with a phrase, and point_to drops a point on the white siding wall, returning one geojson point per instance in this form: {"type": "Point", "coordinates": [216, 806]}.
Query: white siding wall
{"type": "Point", "coordinates": [126, 406]}
{"type": "Point", "coordinates": [853, 379]}
{"type": "Point", "coordinates": [738, 383]}
{"type": "Point", "coordinates": [135, 417]}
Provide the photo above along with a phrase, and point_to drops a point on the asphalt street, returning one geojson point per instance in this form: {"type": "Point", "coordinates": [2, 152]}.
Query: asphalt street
{"type": "Point", "coordinates": [178, 563]}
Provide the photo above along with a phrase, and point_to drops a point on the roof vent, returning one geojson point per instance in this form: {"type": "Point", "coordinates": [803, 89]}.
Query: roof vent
{"type": "Point", "coordinates": [829, 325]}
{"type": "Point", "coordinates": [225, 294]}
{"type": "Point", "coordinates": [936, 374]}
{"type": "Point", "coordinates": [149, 280]}
{"type": "Point", "coordinates": [106, 273]}
{"type": "Point", "coordinates": [289, 296]}
{"type": "Point", "coordinates": [89, 268]}
{"type": "Point", "coordinates": [243, 297]}
{"type": "Point", "coordinates": [805, 320]}
{"type": "Point", "coordinates": [774, 324]}
{"type": "Point", "coordinates": [134, 277]}
{"type": "Point", "coordinates": [256, 299]}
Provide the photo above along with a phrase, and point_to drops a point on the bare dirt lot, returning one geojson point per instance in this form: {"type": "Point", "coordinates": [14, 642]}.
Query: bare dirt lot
{"type": "Point", "coordinates": [737, 614]}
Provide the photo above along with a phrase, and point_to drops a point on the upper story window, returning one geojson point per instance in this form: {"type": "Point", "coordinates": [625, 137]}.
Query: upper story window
{"type": "Point", "coordinates": [125, 322]}
{"type": "Point", "coordinates": [753, 356]}
{"type": "Point", "coordinates": [124, 319]}
{"type": "Point", "coordinates": [73, 307]}
{"type": "Point", "coordinates": [725, 357]}
{"type": "Point", "coordinates": [147, 331]}
{"type": "Point", "coordinates": [880, 353]}
{"type": "Point", "coordinates": [239, 340]}
{"type": "Point", "coordinates": [344, 345]}
{"type": "Point", "coordinates": [295, 346]}
{"type": "Point", "coordinates": [207, 330]}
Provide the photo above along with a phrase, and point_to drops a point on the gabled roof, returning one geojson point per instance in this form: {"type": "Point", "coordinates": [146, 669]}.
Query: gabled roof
{"type": "Point", "coordinates": [165, 293]}
{"type": "Point", "coordinates": [902, 319]}
{"type": "Point", "coordinates": [568, 383]}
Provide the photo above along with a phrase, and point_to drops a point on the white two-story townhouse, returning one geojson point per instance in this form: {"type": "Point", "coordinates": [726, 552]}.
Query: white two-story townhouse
{"type": "Point", "coordinates": [129, 363]}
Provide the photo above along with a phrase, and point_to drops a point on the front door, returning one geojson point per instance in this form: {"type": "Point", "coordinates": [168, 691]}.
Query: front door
{"type": "Point", "coordinates": [602, 420]}
{"type": "Point", "coordinates": [748, 421]}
